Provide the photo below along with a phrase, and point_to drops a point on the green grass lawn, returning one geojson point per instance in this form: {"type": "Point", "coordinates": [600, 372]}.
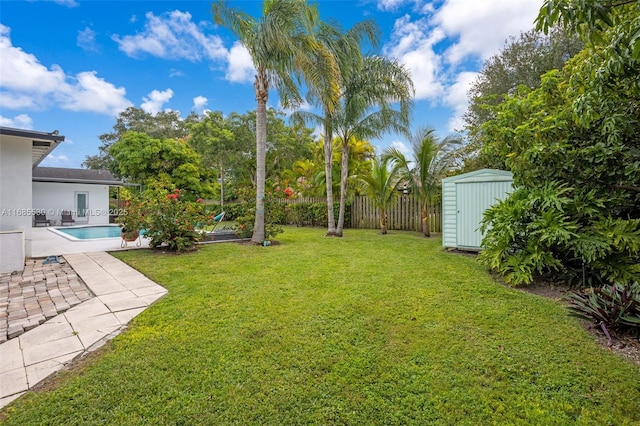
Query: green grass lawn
{"type": "Point", "coordinates": [363, 330]}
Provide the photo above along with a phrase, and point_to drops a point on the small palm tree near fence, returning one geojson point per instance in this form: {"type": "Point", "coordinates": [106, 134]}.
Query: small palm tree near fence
{"type": "Point", "coordinates": [432, 159]}
{"type": "Point", "coordinates": [380, 184]}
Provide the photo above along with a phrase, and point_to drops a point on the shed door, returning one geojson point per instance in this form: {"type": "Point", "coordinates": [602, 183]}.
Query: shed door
{"type": "Point", "coordinates": [473, 199]}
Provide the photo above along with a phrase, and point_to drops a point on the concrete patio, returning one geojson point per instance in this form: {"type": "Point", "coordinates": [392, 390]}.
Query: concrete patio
{"type": "Point", "coordinates": [120, 293]}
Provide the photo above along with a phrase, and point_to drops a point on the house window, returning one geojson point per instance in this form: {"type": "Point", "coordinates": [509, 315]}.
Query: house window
{"type": "Point", "coordinates": [82, 205]}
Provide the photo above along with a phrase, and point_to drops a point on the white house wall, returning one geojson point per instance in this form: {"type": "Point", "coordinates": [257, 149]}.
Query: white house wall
{"type": "Point", "coordinates": [15, 198]}
{"type": "Point", "coordinates": [54, 197]}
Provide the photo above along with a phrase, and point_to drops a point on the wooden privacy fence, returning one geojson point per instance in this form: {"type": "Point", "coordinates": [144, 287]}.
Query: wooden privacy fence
{"type": "Point", "coordinates": [403, 215]}
{"type": "Point", "coordinates": [303, 200]}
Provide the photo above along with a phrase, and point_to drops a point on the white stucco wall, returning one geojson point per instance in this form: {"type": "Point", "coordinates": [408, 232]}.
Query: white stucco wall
{"type": "Point", "coordinates": [15, 195]}
{"type": "Point", "coordinates": [54, 197]}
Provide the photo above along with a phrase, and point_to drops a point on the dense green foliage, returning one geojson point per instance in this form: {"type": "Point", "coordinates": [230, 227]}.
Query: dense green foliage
{"type": "Point", "coordinates": [297, 333]}
{"type": "Point", "coordinates": [522, 61]}
{"type": "Point", "coordinates": [309, 214]}
{"type": "Point", "coordinates": [172, 223]}
{"type": "Point", "coordinates": [243, 213]}
{"type": "Point", "coordinates": [573, 145]}
{"type": "Point", "coordinates": [166, 163]}
{"type": "Point", "coordinates": [227, 145]}
{"type": "Point", "coordinates": [163, 125]}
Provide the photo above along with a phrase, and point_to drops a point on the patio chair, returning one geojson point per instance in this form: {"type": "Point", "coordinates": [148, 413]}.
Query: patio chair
{"type": "Point", "coordinates": [41, 219]}
{"type": "Point", "coordinates": [67, 218]}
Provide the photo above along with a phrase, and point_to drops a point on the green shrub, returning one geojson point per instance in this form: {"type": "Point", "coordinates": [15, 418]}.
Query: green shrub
{"type": "Point", "coordinates": [311, 214]}
{"type": "Point", "coordinates": [171, 222]}
{"type": "Point", "coordinates": [535, 231]}
{"type": "Point", "coordinates": [611, 307]}
{"type": "Point", "coordinates": [243, 213]}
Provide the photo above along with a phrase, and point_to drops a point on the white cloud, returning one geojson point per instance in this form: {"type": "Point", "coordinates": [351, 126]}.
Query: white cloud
{"type": "Point", "coordinates": [154, 101]}
{"type": "Point", "coordinates": [87, 40]}
{"type": "Point", "coordinates": [175, 73]}
{"type": "Point", "coordinates": [393, 5]}
{"type": "Point", "coordinates": [199, 102]}
{"type": "Point", "coordinates": [241, 69]}
{"type": "Point", "coordinates": [67, 3]}
{"type": "Point", "coordinates": [26, 83]}
{"type": "Point", "coordinates": [21, 71]}
{"type": "Point", "coordinates": [482, 27]}
{"type": "Point", "coordinates": [21, 121]}
{"type": "Point", "coordinates": [91, 93]}
{"type": "Point", "coordinates": [55, 160]}
{"type": "Point", "coordinates": [456, 97]}
{"type": "Point", "coordinates": [403, 148]}
{"type": "Point", "coordinates": [172, 35]}
{"type": "Point", "coordinates": [473, 30]}
{"type": "Point", "coordinates": [10, 100]}
{"type": "Point", "coordinates": [412, 45]}
{"type": "Point", "coordinates": [389, 4]}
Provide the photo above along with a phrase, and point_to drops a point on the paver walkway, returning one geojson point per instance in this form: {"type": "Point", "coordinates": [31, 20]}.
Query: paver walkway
{"type": "Point", "coordinates": [38, 293]}
{"type": "Point", "coordinates": [120, 292]}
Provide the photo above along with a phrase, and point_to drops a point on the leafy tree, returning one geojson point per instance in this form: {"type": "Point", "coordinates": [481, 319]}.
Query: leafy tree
{"type": "Point", "coordinates": [282, 46]}
{"type": "Point", "coordinates": [522, 61]}
{"type": "Point", "coordinates": [211, 136]}
{"type": "Point", "coordinates": [285, 145]}
{"type": "Point", "coordinates": [163, 125]}
{"type": "Point", "coordinates": [161, 163]}
{"type": "Point", "coordinates": [577, 208]}
{"type": "Point", "coordinates": [432, 159]}
{"type": "Point", "coordinates": [592, 18]}
{"type": "Point", "coordinates": [381, 187]}
{"type": "Point", "coordinates": [608, 76]}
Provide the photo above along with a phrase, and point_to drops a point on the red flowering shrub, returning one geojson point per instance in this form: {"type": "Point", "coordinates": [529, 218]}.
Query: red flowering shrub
{"type": "Point", "coordinates": [172, 223]}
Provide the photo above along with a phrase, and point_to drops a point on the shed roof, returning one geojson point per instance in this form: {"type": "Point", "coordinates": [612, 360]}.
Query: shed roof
{"type": "Point", "coordinates": [59, 174]}
{"type": "Point", "coordinates": [481, 175]}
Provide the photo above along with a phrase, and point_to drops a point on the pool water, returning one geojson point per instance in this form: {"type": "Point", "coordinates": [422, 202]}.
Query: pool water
{"type": "Point", "coordinates": [91, 232]}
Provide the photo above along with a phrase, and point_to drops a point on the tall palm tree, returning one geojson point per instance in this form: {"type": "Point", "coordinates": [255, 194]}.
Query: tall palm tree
{"type": "Point", "coordinates": [368, 110]}
{"type": "Point", "coordinates": [346, 48]}
{"type": "Point", "coordinates": [381, 184]}
{"type": "Point", "coordinates": [432, 158]}
{"type": "Point", "coordinates": [284, 50]}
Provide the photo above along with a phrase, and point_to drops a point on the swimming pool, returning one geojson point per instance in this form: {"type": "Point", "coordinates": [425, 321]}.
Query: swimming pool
{"type": "Point", "coordinates": [94, 232]}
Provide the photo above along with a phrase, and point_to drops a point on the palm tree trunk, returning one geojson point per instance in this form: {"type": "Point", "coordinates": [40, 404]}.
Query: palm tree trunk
{"type": "Point", "coordinates": [328, 160]}
{"type": "Point", "coordinates": [383, 222]}
{"type": "Point", "coordinates": [222, 174]}
{"type": "Point", "coordinates": [426, 225]}
{"type": "Point", "coordinates": [344, 176]}
{"type": "Point", "coordinates": [262, 95]}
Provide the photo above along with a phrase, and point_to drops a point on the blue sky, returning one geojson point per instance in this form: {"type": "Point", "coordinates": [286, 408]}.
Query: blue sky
{"type": "Point", "coordinates": [73, 65]}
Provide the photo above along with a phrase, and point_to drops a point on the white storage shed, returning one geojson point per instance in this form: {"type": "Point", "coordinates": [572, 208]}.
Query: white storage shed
{"type": "Point", "coordinates": [464, 199]}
